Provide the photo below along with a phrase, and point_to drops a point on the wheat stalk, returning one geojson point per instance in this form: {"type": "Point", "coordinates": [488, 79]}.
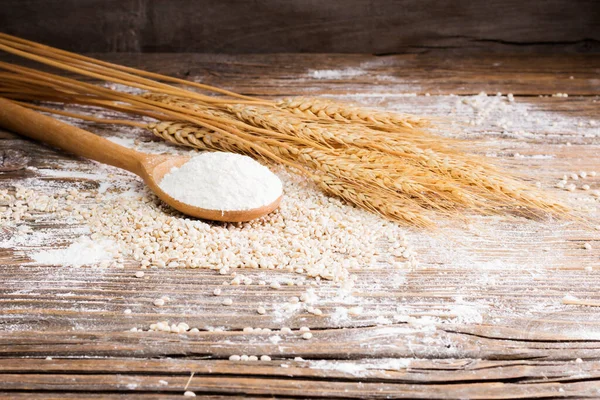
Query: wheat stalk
{"type": "Point", "coordinates": [317, 108]}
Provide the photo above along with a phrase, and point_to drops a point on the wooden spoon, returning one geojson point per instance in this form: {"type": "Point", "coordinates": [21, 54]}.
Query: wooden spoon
{"type": "Point", "coordinates": [150, 167]}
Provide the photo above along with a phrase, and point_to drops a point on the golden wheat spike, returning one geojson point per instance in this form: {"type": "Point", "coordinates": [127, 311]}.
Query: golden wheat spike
{"type": "Point", "coordinates": [333, 110]}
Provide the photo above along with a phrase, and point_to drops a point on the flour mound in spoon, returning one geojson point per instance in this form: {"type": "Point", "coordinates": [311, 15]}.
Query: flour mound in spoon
{"type": "Point", "coordinates": [222, 181]}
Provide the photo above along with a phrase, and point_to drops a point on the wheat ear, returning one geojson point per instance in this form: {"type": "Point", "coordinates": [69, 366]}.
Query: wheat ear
{"type": "Point", "coordinates": [317, 108]}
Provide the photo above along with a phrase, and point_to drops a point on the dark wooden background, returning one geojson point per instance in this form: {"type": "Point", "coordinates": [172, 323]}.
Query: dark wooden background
{"type": "Point", "coordinates": [317, 26]}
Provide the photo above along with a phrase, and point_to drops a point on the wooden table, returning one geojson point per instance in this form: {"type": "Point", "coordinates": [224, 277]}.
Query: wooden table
{"type": "Point", "coordinates": [485, 309]}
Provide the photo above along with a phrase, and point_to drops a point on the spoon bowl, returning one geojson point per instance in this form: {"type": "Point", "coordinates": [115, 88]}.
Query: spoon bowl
{"type": "Point", "coordinates": [153, 170]}
{"type": "Point", "coordinates": [150, 167]}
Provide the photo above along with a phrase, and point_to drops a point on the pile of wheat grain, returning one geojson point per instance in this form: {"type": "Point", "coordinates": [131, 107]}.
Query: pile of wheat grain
{"type": "Point", "coordinates": [387, 163]}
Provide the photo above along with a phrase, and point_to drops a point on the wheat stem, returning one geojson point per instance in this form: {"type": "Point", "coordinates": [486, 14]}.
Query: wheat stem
{"type": "Point", "coordinates": [27, 49]}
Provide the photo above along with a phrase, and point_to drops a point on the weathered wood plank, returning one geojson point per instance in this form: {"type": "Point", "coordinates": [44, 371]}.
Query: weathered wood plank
{"type": "Point", "coordinates": [42, 298]}
{"type": "Point", "coordinates": [471, 378]}
{"type": "Point", "coordinates": [339, 74]}
{"type": "Point", "coordinates": [384, 370]}
{"type": "Point", "coordinates": [393, 341]}
{"type": "Point", "coordinates": [357, 26]}
{"type": "Point", "coordinates": [357, 75]}
{"type": "Point", "coordinates": [105, 299]}
{"type": "Point", "coordinates": [482, 316]}
{"type": "Point", "coordinates": [299, 388]}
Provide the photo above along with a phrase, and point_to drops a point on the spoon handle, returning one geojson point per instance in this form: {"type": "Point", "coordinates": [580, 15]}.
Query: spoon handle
{"type": "Point", "coordinates": [67, 137]}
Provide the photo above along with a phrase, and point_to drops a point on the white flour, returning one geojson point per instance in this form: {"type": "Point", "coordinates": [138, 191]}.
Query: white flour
{"type": "Point", "coordinates": [335, 73]}
{"type": "Point", "coordinates": [222, 181]}
{"type": "Point", "coordinates": [362, 367]}
{"type": "Point", "coordinates": [84, 251]}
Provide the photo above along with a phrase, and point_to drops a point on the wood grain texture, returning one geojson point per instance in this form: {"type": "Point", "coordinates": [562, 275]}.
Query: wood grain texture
{"type": "Point", "coordinates": [386, 76]}
{"type": "Point", "coordinates": [512, 338]}
{"type": "Point", "coordinates": [268, 26]}
{"type": "Point", "coordinates": [369, 77]}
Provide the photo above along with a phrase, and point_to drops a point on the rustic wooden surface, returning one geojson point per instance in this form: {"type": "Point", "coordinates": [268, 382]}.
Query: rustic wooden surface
{"type": "Point", "coordinates": [314, 26]}
{"type": "Point", "coordinates": [511, 273]}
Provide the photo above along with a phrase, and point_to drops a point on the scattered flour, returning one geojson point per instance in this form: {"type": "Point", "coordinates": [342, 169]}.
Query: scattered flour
{"type": "Point", "coordinates": [466, 314]}
{"type": "Point", "coordinates": [63, 173]}
{"type": "Point", "coordinates": [362, 368]}
{"type": "Point", "coordinates": [222, 181]}
{"type": "Point", "coordinates": [569, 297]}
{"type": "Point", "coordinates": [483, 114]}
{"type": "Point", "coordinates": [122, 141]}
{"type": "Point", "coordinates": [84, 251]}
{"type": "Point", "coordinates": [340, 315]}
{"type": "Point", "coordinates": [335, 73]}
